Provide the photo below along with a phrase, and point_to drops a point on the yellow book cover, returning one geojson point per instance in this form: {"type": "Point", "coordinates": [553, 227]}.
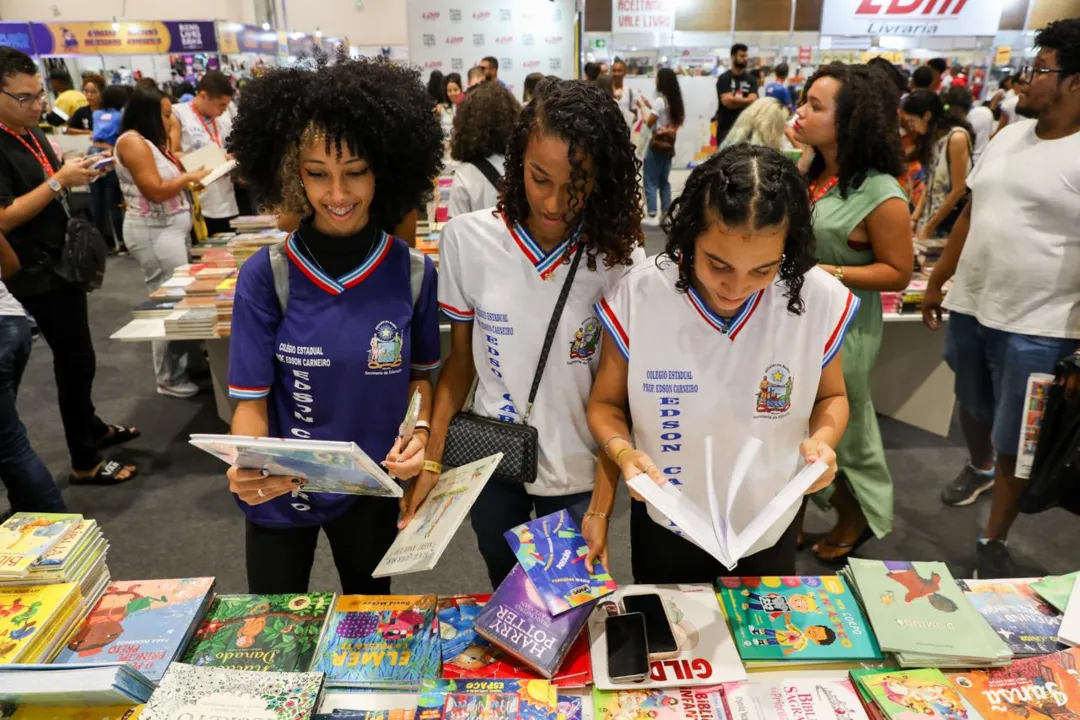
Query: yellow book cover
{"type": "Point", "coordinates": [25, 537]}
{"type": "Point", "coordinates": [229, 284]}
{"type": "Point", "coordinates": [24, 611]}
{"type": "Point", "coordinates": [112, 712]}
{"type": "Point", "coordinates": [69, 547]}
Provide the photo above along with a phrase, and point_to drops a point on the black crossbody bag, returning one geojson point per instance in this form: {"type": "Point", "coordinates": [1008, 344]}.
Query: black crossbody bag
{"type": "Point", "coordinates": [472, 437]}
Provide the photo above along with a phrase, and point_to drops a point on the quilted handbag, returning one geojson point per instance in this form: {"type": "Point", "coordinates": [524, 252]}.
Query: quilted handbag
{"type": "Point", "coordinates": [472, 437]}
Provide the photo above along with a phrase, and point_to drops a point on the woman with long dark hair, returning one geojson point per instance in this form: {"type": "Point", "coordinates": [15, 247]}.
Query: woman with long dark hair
{"type": "Point", "coordinates": [665, 114]}
{"type": "Point", "coordinates": [863, 231]}
{"type": "Point", "coordinates": [482, 127]}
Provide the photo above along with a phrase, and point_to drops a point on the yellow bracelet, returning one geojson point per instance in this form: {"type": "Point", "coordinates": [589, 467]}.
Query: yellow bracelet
{"type": "Point", "coordinates": [432, 466]}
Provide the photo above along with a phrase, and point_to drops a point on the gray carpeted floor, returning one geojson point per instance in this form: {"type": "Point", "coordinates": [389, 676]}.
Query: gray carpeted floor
{"type": "Point", "coordinates": [177, 518]}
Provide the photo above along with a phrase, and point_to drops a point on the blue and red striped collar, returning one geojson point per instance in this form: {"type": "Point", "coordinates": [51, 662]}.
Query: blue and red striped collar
{"type": "Point", "coordinates": [545, 263]}
{"type": "Point", "coordinates": [336, 286]}
{"type": "Point", "coordinates": [728, 326]}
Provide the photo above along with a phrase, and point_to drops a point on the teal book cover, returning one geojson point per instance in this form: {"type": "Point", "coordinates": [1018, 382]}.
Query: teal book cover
{"type": "Point", "coordinates": [798, 619]}
{"type": "Point", "coordinates": [552, 552]}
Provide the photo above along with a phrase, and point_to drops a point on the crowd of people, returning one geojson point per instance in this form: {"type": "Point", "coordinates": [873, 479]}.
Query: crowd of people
{"type": "Point", "coordinates": [771, 278]}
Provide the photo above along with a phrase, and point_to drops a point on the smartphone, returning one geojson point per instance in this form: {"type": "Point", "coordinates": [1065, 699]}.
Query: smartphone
{"type": "Point", "coordinates": [627, 647]}
{"type": "Point", "coordinates": [658, 631]}
{"type": "Point", "coordinates": [97, 165]}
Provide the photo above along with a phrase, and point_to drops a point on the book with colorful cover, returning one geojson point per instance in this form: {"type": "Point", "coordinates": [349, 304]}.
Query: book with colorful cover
{"type": "Point", "coordinates": [144, 623]}
{"type": "Point", "coordinates": [517, 622]}
{"type": "Point", "coordinates": [69, 546]}
{"type": "Point", "coordinates": [687, 703]}
{"type": "Point", "coordinates": [796, 619]}
{"type": "Point", "coordinates": [467, 656]}
{"type": "Point", "coordinates": [260, 632]}
{"type": "Point", "coordinates": [395, 714]}
{"type": "Point", "coordinates": [571, 707]}
{"type": "Point", "coordinates": [794, 699]}
{"type": "Point", "coordinates": [1056, 589]}
{"type": "Point", "coordinates": [188, 691]}
{"type": "Point", "coordinates": [923, 694]}
{"type": "Point", "coordinates": [1026, 623]}
{"type": "Point", "coordinates": [380, 642]}
{"type": "Point", "coordinates": [28, 615]}
{"type": "Point", "coordinates": [109, 712]}
{"type": "Point", "coordinates": [487, 699]}
{"type": "Point", "coordinates": [26, 536]}
{"type": "Point", "coordinates": [552, 551]}
{"type": "Point", "coordinates": [1038, 687]}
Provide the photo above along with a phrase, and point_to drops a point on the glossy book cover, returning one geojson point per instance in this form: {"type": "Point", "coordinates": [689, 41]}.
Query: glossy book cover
{"type": "Point", "coordinates": [24, 611]}
{"type": "Point", "coordinates": [1026, 623]}
{"type": "Point", "coordinates": [25, 537]}
{"type": "Point", "coordinates": [687, 703]}
{"type": "Point", "coordinates": [924, 694]}
{"type": "Point", "coordinates": [260, 632]}
{"type": "Point", "coordinates": [486, 700]}
{"type": "Point", "coordinates": [794, 699]}
{"type": "Point", "coordinates": [796, 619]}
{"type": "Point", "coordinates": [1039, 687]}
{"type": "Point", "coordinates": [380, 641]}
{"type": "Point", "coordinates": [552, 551]}
{"type": "Point", "coordinates": [143, 623]}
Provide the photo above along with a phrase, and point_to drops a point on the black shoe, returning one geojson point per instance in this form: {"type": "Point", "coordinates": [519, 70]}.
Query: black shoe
{"type": "Point", "coordinates": [966, 488]}
{"type": "Point", "coordinates": [992, 560]}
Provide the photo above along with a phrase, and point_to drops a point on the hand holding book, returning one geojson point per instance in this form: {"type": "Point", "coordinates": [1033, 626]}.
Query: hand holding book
{"type": "Point", "coordinates": [256, 487]}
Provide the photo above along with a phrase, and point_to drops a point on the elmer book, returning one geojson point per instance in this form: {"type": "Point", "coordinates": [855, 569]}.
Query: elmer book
{"type": "Point", "coordinates": [796, 619]}
{"type": "Point", "coordinates": [487, 699]}
{"type": "Point", "coordinates": [260, 632]}
{"type": "Point", "coordinates": [1026, 623]}
{"type": "Point", "coordinates": [1038, 687]}
{"type": "Point", "coordinates": [380, 642]}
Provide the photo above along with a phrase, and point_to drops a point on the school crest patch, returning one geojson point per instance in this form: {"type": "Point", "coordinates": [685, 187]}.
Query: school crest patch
{"type": "Point", "coordinates": [384, 350]}
{"type": "Point", "coordinates": [586, 340]}
{"type": "Point", "coordinates": [774, 392]}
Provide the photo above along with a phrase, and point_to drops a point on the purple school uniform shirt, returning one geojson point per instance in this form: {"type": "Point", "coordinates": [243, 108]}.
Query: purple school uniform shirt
{"type": "Point", "coordinates": [337, 365]}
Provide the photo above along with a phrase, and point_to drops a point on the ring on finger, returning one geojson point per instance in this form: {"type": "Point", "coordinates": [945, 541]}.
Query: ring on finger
{"type": "Point", "coordinates": [262, 493]}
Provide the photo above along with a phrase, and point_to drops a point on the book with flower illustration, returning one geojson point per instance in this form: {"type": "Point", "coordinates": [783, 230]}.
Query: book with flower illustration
{"type": "Point", "coordinates": [387, 642]}
{"type": "Point", "coordinates": [189, 691]}
{"type": "Point", "coordinates": [1038, 687]}
{"type": "Point", "coordinates": [552, 552]}
{"type": "Point", "coordinates": [487, 699]}
{"type": "Point", "coordinates": [26, 536]}
{"type": "Point", "coordinates": [261, 632]}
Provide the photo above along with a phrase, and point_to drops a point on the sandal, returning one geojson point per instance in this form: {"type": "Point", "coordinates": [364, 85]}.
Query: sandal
{"type": "Point", "coordinates": [107, 473]}
{"type": "Point", "coordinates": [850, 548]}
{"type": "Point", "coordinates": [117, 435]}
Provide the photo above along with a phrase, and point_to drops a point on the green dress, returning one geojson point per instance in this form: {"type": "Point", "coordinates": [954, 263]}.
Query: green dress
{"type": "Point", "coordinates": [860, 454]}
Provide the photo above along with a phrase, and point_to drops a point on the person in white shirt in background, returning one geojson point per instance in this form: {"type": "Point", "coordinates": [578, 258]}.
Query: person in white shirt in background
{"type": "Point", "coordinates": [482, 127]}
{"type": "Point", "coordinates": [624, 96]}
{"type": "Point", "coordinates": [961, 106]}
{"type": "Point", "coordinates": [1016, 294]}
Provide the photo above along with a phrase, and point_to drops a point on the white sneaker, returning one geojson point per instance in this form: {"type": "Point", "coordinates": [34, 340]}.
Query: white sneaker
{"type": "Point", "coordinates": [182, 389]}
{"type": "Point", "coordinates": [651, 221]}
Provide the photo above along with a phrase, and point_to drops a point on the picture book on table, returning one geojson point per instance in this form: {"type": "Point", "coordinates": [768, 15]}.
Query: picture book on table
{"type": "Point", "coordinates": [688, 703]}
{"type": "Point", "coordinates": [1056, 589]}
{"type": "Point", "coordinates": [1026, 623]}
{"type": "Point", "coordinates": [1030, 688]}
{"type": "Point", "coordinates": [487, 700]}
{"type": "Point", "coordinates": [923, 694]}
{"type": "Point", "coordinates": [552, 552]}
{"type": "Point", "coordinates": [144, 623]}
{"type": "Point", "coordinates": [380, 642]}
{"type": "Point", "coordinates": [24, 611]}
{"type": "Point", "coordinates": [571, 707]}
{"type": "Point", "coordinates": [796, 619]}
{"type": "Point", "coordinates": [466, 655]}
{"type": "Point", "coordinates": [516, 621]}
{"type": "Point", "coordinates": [795, 699]}
{"type": "Point", "coordinates": [26, 536]}
{"type": "Point", "coordinates": [68, 547]}
{"type": "Point", "coordinates": [260, 632]}
{"type": "Point", "coordinates": [422, 542]}
{"type": "Point", "coordinates": [707, 653]}
{"type": "Point", "coordinates": [188, 692]}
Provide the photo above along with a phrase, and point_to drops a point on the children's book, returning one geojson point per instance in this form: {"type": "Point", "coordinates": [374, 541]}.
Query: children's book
{"type": "Point", "coordinates": [1069, 632]}
{"type": "Point", "coordinates": [260, 632]}
{"type": "Point", "coordinates": [792, 699]}
{"type": "Point", "coordinates": [394, 714]}
{"type": "Point", "coordinates": [924, 694]}
{"type": "Point", "coordinates": [144, 623]}
{"type": "Point", "coordinates": [688, 703]}
{"type": "Point", "coordinates": [466, 655]}
{"type": "Point", "coordinates": [328, 467]}
{"type": "Point", "coordinates": [552, 552]}
{"type": "Point", "coordinates": [380, 642]}
{"type": "Point", "coordinates": [72, 686]}
{"type": "Point", "coordinates": [707, 652]}
{"type": "Point", "coordinates": [187, 691]}
{"type": "Point", "coordinates": [423, 541]}
{"type": "Point", "coordinates": [69, 548]}
{"type": "Point", "coordinates": [572, 707]}
{"type": "Point", "coordinates": [26, 536]}
{"type": "Point", "coordinates": [1027, 624]}
{"type": "Point", "coordinates": [1040, 687]}
{"type": "Point", "coordinates": [487, 699]}
{"type": "Point", "coordinates": [109, 712]}
{"type": "Point", "coordinates": [1055, 589]}
{"type": "Point", "coordinates": [30, 616]}
{"type": "Point", "coordinates": [516, 621]}
{"type": "Point", "coordinates": [796, 619]}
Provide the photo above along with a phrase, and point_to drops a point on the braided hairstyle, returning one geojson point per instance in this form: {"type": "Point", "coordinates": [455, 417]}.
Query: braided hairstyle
{"type": "Point", "coordinates": [867, 128]}
{"type": "Point", "coordinates": [591, 123]}
{"type": "Point", "coordinates": [744, 186]}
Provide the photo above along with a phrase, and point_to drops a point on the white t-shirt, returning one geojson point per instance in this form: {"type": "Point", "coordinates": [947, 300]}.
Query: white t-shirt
{"type": "Point", "coordinates": [500, 280]}
{"type": "Point", "coordinates": [981, 119]}
{"type": "Point", "coordinates": [1019, 271]}
{"type": "Point", "coordinates": [470, 190]}
{"type": "Point", "coordinates": [1008, 106]}
{"type": "Point", "coordinates": [9, 306]}
{"type": "Point", "coordinates": [659, 109]}
{"type": "Point", "coordinates": [692, 374]}
{"type": "Point", "coordinates": [627, 101]}
{"type": "Point", "coordinates": [219, 199]}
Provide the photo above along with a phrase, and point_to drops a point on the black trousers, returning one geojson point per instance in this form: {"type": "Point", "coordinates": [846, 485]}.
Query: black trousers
{"type": "Point", "coordinates": [217, 225]}
{"type": "Point", "coordinates": [106, 207]}
{"type": "Point", "coordinates": [660, 557]}
{"type": "Point", "coordinates": [61, 316]}
{"type": "Point", "coordinates": [279, 560]}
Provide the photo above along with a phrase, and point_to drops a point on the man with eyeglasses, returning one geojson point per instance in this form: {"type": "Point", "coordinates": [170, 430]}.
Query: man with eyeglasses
{"type": "Point", "coordinates": [1015, 304]}
{"type": "Point", "coordinates": [34, 220]}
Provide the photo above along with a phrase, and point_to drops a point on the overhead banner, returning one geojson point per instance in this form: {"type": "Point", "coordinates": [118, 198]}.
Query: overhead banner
{"type": "Point", "coordinates": [16, 35]}
{"type": "Point", "coordinates": [948, 18]}
{"type": "Point", "coordinates": [238, 38]}
{"type": "Point", "coordinates": [526, 36]}
{"type": "Point", "coordinates": [638, 16]}
{"type": "Point", "coordinates": [126, 38]}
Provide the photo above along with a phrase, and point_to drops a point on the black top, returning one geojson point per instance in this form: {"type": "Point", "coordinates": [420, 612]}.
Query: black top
{"type": "Point", "coordinates": [742, 85]}
{"type": "Point", "coordinates": [39, 241]}
{"type": "Point", "coordinates": [82, 119]}
{"type": "Point", "coordinates": [337, 255]}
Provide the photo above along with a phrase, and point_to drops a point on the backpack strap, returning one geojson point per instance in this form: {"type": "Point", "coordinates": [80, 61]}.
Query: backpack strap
{"type": "Point", "coordinates": [484, 166]}
{"type": "Point", "coordinates": [279, 266]}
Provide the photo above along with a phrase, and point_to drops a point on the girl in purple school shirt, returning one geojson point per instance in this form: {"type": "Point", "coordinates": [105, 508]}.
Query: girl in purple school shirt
{"type": "Point", "coordinates": [351, 148]}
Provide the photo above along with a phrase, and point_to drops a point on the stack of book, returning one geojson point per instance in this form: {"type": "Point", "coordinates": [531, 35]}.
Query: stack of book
{"type": "Point", "coordinates": [78, 556]}
{"type": "Point", "coordinates": [900, 694]}
{"type": "Point", "coordinates": [155, 309]}
{"type": "Point", "coordinates": [253, 223]}
{"type": "Point", "coordinates": [1038, 687]}
{"type": "Point", "coordinates": [244, 246]}
{"type": "Point", "coordinates": [35, 620]}
{"type": "Point", "coordinates": [84, 686]}
{"type": "Point", "coordinates": [918, 612]}
{"type": "Point", "coordinates": [193, 324]}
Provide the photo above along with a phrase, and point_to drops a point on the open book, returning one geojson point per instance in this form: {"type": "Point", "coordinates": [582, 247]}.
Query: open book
{"type": "Point", "coordinates": [714, 531]}
{"type": "Point", "coordinates": [213, 159]}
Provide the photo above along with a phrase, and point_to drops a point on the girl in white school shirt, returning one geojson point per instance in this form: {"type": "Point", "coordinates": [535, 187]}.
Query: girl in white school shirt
{"type": "Point", "coordinates": [571, 177]}
{"type": "Point", "coordinates": [732, 333]}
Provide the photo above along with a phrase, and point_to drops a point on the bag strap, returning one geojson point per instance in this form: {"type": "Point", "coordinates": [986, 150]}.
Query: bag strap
{"type": "Point", "coordinates": [484, 166]}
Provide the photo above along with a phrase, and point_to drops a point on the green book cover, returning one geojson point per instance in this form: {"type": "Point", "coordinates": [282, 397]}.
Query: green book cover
{"type": "Point", "coordinates": [260, 632]}
{"type": "Point", "coordinates": [924, 694]}
{"type": "Point", "coordinates": [1056, 589]}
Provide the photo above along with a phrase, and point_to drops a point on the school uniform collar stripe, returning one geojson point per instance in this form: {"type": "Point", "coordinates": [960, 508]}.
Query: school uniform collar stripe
{"type": "Point", "coordinates": [729, 327]}
{"type": "Point", "coordinates": [374, 259]}
{"type": "Point", "coordinates": [454, 314]}
{"type": "Point", "coordinates": [545, 263]}
{"type": "Point", "coordinates": [836, 340]}
{"type": "Point", "coordinates": [307, 267]}
{"type": "Point", "coordinates": [614, 327]}
{"type": "Point", "coordinates": [248, 393]}
{"type": "Point", "coordinates": [351, 279]}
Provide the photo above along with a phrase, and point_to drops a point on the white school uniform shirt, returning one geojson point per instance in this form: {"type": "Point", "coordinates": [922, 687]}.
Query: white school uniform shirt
{"type": "Point", "coordinates": [498, 278]}
{"type": "Point", "coordinates": [471, 191]}
{"type": "Point", "coordinates": [218, 200]}
{"type": "Point", "coordinates": [694, 374]}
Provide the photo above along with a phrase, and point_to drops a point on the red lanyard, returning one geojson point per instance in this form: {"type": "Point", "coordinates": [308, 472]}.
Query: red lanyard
{"type": "Point", "coordinates": [211, 127]}
{"type": "Point", "coordinates": [38, 154]}
{"type": "Point", "coordinates": [818, 193]}
{"type": "Point", "coordinates": [172, 158]}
